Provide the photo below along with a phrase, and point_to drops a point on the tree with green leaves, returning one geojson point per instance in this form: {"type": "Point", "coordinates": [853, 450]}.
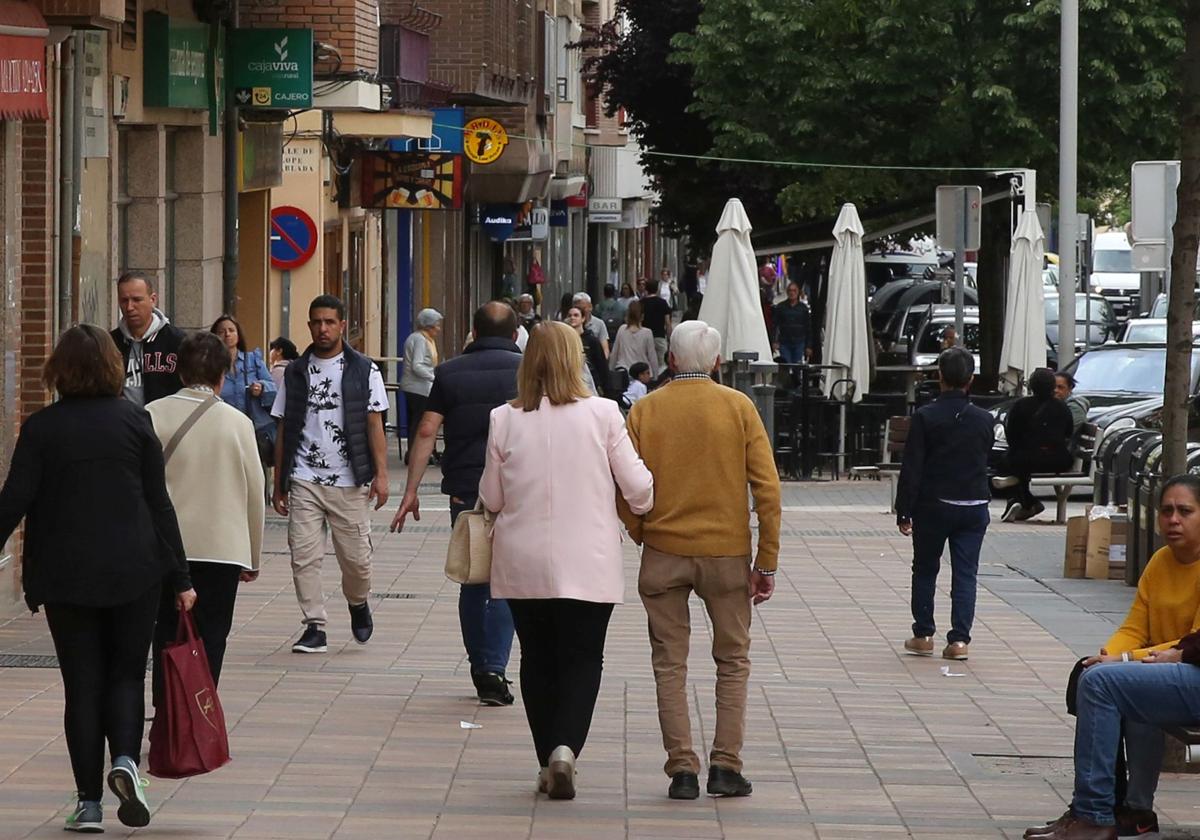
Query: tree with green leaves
{"type": "Point", "coordinates": [633, 63]}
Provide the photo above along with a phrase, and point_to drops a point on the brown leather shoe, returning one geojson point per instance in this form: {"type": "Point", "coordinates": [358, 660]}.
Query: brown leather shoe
{"type": "Point", "coordinates": [1069, 827]}
{"type": "Point", "coordinates": [1048, 828]}
{"type": "Point", "coordinates": [955, 650]}
{"type": "Point", "coordinates": [919, 646]}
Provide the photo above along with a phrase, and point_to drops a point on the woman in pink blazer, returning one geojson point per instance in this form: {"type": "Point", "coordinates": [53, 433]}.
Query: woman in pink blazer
{"type": "Point", "coordinates": [552, 457]}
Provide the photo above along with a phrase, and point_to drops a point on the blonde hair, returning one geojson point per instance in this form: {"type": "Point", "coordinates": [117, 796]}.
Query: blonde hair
{"type": "Point", "coordinates": [552, 366]}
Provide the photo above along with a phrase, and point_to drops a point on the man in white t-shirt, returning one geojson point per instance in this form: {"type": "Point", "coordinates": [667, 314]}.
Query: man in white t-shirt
{"type": "Point", "coordinates": [330, 463]}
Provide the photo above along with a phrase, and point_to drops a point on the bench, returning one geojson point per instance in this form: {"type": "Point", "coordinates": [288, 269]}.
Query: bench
{"type": "Point", "coordinates": [895, 435]}
{"type": "Point", "coordinates": [1082, 473]}
{"type": "Point", "coordinates": [1189, 736]}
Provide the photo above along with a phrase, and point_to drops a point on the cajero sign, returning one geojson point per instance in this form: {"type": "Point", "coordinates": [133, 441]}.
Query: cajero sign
{"type": "Point", "coordinates": [271, 68]}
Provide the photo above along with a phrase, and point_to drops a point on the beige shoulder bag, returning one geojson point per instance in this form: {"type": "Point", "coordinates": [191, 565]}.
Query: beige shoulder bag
{"type": "Point", "coordinates": [469, 555]}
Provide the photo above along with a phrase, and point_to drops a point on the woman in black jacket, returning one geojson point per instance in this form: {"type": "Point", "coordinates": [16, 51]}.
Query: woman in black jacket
{"type": "Point", "coordinates": [100, 538]}
{"type": "Point", "coordinates": [1038, 431]}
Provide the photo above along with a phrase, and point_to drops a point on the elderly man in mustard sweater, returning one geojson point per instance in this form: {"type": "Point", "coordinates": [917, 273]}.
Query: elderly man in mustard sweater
{"type": "Point", "coordinates": [704, 444]}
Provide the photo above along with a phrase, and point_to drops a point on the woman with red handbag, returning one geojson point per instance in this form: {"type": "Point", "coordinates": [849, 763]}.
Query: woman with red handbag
{"type": "Point", "coordinates": [101, 539]}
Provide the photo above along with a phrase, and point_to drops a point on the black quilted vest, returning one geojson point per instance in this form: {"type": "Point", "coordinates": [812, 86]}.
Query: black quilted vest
{"type": "Point", "coordinates": [356, 390]}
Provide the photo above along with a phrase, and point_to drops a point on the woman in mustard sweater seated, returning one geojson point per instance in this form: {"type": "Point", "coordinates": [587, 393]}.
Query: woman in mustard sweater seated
{"type": "Point", "coordinates": [1165, 609]}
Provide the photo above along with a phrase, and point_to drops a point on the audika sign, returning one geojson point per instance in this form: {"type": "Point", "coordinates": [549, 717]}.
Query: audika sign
{"type": "Point", "coordinates": [271, 68]}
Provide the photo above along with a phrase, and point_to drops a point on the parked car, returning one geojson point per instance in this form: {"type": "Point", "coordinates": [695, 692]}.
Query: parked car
{"type": "Point", "coordinates": [1095, 321]}
{"type": "Point", "coordinates": [1119, 381]}
{"type": "Point", "coordinates": [927, 343]}
{"type": "Point", "coordinates": [1150, 331]}
{"type": "Point", "coordinates": [909, 307]}
{"type": "Point", "coordinates": [1159, 308]}
{"type": "Point", "coordinates": [1113, 274]}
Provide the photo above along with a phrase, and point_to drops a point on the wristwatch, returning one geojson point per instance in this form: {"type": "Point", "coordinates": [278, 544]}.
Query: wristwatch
{"type": "Point", "coordinates": [765, 574]}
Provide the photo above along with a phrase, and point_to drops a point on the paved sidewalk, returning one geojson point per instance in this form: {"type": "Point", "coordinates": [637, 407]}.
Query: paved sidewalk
{"type": "Point", "coordinates": [847, 738]}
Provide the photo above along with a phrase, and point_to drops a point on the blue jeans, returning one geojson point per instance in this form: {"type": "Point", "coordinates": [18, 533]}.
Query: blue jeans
{"type": "Point", "coordinates": [1152, 695]}
{"type": "Point", "coordinates": [487, 625]}
{"type": "Point", "coordinates": [793, 352]}
{"type": "Point", "coordinates": [935, 524]}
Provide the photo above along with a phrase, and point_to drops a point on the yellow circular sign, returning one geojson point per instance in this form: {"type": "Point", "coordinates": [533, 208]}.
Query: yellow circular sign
{"type": "Point", "coordinates": [484, 140]}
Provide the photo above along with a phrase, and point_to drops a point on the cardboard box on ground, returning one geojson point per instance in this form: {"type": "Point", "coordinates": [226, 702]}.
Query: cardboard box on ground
{"type": "Point", "coordinates": [1095, 545]}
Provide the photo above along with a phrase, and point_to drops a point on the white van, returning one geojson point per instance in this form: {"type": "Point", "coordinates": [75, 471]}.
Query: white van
{"type": "Point", "coordinates": [1113, 274]}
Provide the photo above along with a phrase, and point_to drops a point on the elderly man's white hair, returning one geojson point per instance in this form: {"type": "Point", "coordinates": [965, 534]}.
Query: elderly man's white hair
{"type": "Point", "coordinates": [581, 297]}
{"type": "Point", "coordinates": [695, 346]}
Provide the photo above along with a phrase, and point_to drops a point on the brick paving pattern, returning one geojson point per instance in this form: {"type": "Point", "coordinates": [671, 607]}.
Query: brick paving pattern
{"type": "Point", "coordinates": [847, 738]}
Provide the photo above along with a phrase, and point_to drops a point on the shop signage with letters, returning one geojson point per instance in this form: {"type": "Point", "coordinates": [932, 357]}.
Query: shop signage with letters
{"type": "Point", "coordinates": [271, 68]}
{"type": "Point", "coordinates": [181, 48]}
{"type": "Point", "coordinates": [604, 210]}
{"type": "Point", "coordinates": [499, 220]}
{"type": "Point", "coordinates": [484, 140]}
{"type": "Point", "coordinates": [23, 67]}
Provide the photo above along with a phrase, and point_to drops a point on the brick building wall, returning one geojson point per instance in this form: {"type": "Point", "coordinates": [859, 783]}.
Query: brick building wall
{"type": "Point", "coordinates": [37, 284]}
{"type": "Point", "coordinates": [350, 25]}
{"type": "Point", "coordinates": [478, 36]}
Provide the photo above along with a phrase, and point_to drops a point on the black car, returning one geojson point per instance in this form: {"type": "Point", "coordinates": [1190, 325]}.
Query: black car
{"type": "Point", "coordinates": [1119, 381]}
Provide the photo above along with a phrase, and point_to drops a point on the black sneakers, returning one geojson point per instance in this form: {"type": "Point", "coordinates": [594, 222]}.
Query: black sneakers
{"type": "Point", "coordinates": [1135, 823]}
{"type": "Point", "coordinates": [725, 782]}
{"type": "Point", "coordinates": [313, 640]}
{"type": "Point", "coordinates": [684, 785]}
{"type": "Point", "coordinates": [361, 623]}
{"type": "Point", "coordinates": [492, 689]}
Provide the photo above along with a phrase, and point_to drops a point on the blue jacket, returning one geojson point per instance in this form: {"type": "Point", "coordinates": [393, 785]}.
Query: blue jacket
{"type": "Point", "coordinates": [946, 454]}
{"type": "Point", "coordinates": [249, 368]}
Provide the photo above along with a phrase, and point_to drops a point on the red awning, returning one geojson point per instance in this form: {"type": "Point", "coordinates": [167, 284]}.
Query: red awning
{"type": "Point", "coordinates": [22, 62]}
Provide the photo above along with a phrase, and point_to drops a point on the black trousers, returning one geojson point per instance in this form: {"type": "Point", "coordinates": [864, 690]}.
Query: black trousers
{"type": "Point", "coordinates": [415, 405]}
{"type": "Point", "coordinates": [1023, 464]}
{"type": "Point", "coordinates": [562, 656]}
{"type": "Point", "coordinates": [216, 587]}
{"type": "Point", "coordinates": [102, 657]}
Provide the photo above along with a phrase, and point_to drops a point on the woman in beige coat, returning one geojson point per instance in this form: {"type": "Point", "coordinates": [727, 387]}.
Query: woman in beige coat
{"type": "Point", "coordinates": [556, 550]}
{"type": "Point", "coordinates": [216, 484]}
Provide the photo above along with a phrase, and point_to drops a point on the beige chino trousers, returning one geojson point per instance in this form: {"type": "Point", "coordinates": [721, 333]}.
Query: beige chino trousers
{"type": "Point", "coordinates": [665, 583]}
{"type": "Point", "coordinates": [345, 511]}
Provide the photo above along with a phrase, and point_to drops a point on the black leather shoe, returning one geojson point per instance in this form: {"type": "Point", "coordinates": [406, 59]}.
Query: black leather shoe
{"type": "Point", "coordinates": [684, 785]}
{"type": "Point", "coordinates": [361, 623]}
{"type": "Point", "coordinates": [725, 782]}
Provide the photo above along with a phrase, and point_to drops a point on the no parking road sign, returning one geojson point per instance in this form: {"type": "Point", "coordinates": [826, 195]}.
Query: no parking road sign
{"type": "Point", "coordinates": [293, 237]}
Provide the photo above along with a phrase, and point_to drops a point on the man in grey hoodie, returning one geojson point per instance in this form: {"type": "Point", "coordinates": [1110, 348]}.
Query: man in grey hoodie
{"type": "Point", "coordinates": [148, 341]}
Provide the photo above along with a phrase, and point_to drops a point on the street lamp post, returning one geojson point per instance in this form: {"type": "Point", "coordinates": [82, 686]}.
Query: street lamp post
{"type": "Point", "coordinates": [1068, 142]}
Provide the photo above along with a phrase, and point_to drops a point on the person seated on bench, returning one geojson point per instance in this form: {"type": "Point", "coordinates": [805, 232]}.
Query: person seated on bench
{"type": "Point", "coordinates": [1165, 609]}
{"type": "Point", "coordinates": [1163, 689]}
{"type": "Point", "coordinates": [1064, 389]}
{"type": "Point", "coordinates": [1038, 431]}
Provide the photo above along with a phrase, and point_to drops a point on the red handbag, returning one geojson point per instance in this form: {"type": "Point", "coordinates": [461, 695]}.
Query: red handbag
{"type": "Point", "coordinates": [188, 734]}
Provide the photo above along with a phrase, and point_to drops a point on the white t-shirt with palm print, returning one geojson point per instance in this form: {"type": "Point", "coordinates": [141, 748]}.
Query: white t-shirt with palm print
{"type": "Point", "coordinates": [324, 454]}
